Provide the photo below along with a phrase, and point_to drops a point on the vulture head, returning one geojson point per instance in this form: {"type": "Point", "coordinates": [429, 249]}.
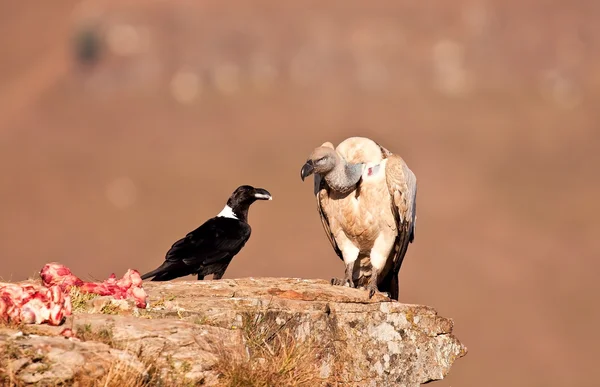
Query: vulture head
{"type": "Point", "coordinates": [322, 160]}
{"type": "Point", "coordinates": [326, 162]}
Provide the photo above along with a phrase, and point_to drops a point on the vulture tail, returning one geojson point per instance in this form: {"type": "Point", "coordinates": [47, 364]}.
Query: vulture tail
{"type": "Point", "coordinates": [390, 285]}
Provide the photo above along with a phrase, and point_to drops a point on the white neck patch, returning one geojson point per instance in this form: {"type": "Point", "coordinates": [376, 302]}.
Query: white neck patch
{"type": "Point", "coordinates": [227, 212]}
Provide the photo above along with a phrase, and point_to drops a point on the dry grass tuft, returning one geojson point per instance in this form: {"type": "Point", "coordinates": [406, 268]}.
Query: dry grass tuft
{"type": "Point", "coordinates": [80, 300]}
{"type": "Point", "coordinates": [272, 357]}
{"type": "Point", "coordinates": [110, 308]}
{"type": "Point", "coordinates": [119, 374]}
{"type": "Point", "coordinates": [104, 335]}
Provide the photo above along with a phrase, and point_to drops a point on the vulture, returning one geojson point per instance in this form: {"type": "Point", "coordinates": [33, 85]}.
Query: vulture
{"type": "Point", "coordinates": [366, 198]}
{"type": "Point", "coordinates": [210, 248]}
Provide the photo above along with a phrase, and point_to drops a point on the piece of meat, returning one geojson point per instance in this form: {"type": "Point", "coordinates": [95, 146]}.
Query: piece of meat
{"type": "Point", "coordinates": [130, 286]}
{"type": "Point", "coordinates": [57, 274]}
{"type": "Point", "coordinates": [67, 332]}
{"type": "Point", "coordinates": [50, 301]}
{"type": "Point", "coordinates": [33, 304]}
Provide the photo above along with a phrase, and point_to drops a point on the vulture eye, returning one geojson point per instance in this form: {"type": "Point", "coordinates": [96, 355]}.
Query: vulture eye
{"type": "Point", "coordinates": [321, 160]}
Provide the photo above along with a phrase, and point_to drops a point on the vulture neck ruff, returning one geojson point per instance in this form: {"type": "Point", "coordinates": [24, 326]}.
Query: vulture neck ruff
{"type": "Point", "coordinates": [344, 177]}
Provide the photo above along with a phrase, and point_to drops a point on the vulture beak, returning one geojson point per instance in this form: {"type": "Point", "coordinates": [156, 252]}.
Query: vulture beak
{"type": "Point", "coordinates": [262, 194]}
{"type": "Point", "coordinates": [307, 169]}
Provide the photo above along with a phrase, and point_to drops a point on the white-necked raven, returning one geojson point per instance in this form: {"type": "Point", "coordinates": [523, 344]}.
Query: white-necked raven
{"type": "Point", "coordinates": [210, 248]}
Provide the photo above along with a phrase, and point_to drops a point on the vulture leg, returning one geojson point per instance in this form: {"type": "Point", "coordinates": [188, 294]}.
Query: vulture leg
{"type": "Point", "coordinates": [347, 281]}
{"type": "Point", "coordinates": [379, 253]}
{"type": "Point", "coordinates": [200, 277]}
{"type": "Point", "coordinates": [350, 255]}
{"type": "Point", "coordinates": [372, 286]}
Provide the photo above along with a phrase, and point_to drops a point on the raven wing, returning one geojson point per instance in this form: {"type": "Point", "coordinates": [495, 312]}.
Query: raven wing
{"type": "Point", "coordinates": [217, 239]}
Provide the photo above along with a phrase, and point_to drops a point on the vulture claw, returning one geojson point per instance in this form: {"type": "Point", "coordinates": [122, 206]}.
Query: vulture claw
{"type": "Point", "coordinates": [372, 286]}
{"type": "Point", "coordinates": [342, 282]}
{"type": "Point", "coordinates": [337, 282]}
{"type": "Point", "coordinates": [371, 292]}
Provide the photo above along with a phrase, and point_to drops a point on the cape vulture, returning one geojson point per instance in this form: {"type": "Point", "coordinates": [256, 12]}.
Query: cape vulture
{"type": "Point", "coordinates": [366, 198]}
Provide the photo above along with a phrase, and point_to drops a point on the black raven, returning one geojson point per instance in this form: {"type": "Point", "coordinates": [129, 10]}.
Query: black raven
{"type": "Point", "coordinates": [210, 248]}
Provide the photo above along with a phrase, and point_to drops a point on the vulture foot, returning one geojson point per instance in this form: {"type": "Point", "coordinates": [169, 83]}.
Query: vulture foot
{"type": "Point", "coordinates": [347, 281]}
{"type": "Point", "coordinates": [372, 290]}
{"type": "Point", "coordinates": [342, 282]}
{"type": "Point", "coordinates": [372, 285]}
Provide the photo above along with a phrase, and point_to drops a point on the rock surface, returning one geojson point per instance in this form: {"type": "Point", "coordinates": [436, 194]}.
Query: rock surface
{"type": "Point", "coordinates": [190, 326]}
{"type": "Point", "coordinates": [49, 360]}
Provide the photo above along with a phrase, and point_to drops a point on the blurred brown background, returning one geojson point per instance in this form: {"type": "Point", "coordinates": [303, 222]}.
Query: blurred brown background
{"type": "Point", "coordinates": [126, 124]}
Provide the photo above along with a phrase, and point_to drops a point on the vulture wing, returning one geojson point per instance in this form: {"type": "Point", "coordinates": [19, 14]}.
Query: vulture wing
{"type": "Point", "coordinates": [322, 194]}
{"type": "Point", "coordinates": [402, 185]}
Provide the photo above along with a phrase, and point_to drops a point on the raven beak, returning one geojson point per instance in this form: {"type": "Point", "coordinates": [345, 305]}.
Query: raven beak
{"type": "Point", "coordinates": [262, 194]}
{"type": "Point", "coordinates": [307, 169]}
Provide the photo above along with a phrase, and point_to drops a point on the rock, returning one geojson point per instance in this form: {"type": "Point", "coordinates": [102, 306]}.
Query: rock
{"type": "Point", "coordinates": [384, 342]}
{"type": "Point", "coordinates": [206, 330]}
{"type": "Point", "coordinates": [51, 360]}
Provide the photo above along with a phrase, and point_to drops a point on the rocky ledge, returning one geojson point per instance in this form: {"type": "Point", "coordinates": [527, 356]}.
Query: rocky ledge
{"type": "Point", "coordinates": [250, 331]}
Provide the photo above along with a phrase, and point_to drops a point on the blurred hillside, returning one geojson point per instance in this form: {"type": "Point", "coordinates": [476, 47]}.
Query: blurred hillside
{"type": "Point", "coordinates": [126, 124]}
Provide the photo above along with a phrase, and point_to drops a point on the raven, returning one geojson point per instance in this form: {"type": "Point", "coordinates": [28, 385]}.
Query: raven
{"type": "Point", "coordinates": [210, 248]}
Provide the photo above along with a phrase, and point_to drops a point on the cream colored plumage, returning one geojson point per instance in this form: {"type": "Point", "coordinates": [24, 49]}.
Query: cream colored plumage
{"type": "Point", "coordinates": [366, 198]}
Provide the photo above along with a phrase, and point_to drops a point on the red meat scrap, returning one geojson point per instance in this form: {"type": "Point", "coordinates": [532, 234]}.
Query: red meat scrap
{"type": "Point", "coordinates": [33, 304]}
{"type": "Point", "coordinates": [50, 301]}
{"type": "Point", "coordinates": [130, 286]}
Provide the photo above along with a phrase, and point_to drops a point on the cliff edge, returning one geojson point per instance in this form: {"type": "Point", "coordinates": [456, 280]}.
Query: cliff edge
{"type": "Point", "coordinates": [235, 332]}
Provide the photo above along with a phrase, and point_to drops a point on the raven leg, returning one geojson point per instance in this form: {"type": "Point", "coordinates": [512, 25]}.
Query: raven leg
{"type": "Point", "coordinates": [347, 281]}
